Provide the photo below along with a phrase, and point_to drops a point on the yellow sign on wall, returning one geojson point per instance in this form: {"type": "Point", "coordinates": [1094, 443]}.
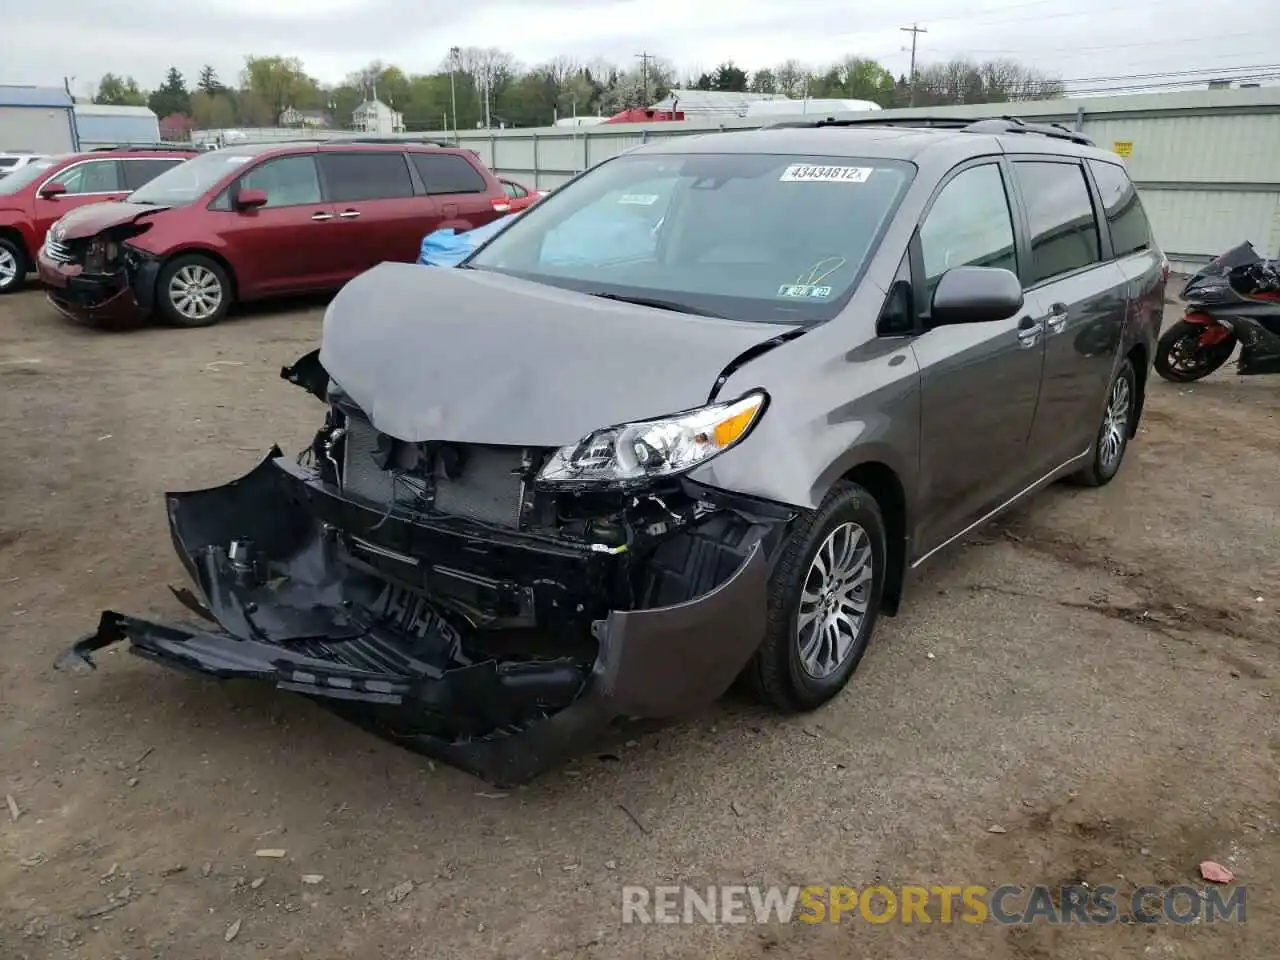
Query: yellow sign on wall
{"type": "Point", "coordinates": [1123, 148]}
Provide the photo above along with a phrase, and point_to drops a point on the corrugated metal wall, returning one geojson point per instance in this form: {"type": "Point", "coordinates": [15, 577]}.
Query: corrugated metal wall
{"type": "Point", "coordinates": [105, 131]}
{"type": "Point", "coordinates": [38, 129]}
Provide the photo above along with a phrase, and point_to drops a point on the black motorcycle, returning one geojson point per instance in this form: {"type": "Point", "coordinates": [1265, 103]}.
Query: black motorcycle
{"type": "Point", "coordinates": [1236, 298]}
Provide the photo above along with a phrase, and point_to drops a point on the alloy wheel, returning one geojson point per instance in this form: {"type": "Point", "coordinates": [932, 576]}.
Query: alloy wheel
{"type": "Point", "coordinates": [8, 268]}
{"type": "Point", "coordinates": [1115, 424]}
{"type": "Point", "coordinates": [195, 292]}
{"type": "Point", "coordinates": [834, 600]}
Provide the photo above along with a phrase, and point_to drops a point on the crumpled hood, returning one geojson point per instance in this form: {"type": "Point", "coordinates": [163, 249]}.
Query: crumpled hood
{"type": "Point", "coordinates": [467, 356]}
{"type": "Point", "coordinates": [90, 220]}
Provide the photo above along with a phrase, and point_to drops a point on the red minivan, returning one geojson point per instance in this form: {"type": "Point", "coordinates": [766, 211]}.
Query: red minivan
{"type": "Point", "coordinates": [247, 222]}
{"type": "Point", "coordinates": [46, 188]}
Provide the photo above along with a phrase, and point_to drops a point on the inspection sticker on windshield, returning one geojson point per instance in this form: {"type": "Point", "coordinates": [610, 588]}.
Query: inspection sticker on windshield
{"type": "Point", "coordinates": [639, 199]}
{"type": "Point", "coordinates": [807, 173]}
{"type": "Point", "coordinates": [804, 291]}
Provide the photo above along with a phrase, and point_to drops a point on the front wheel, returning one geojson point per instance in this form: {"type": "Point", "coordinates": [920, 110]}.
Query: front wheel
{"type": "Point", "coordinates": [193, 291]}
{"type": "Point", "coordinates": [13, 266]}
{"type": "Point", "coordinates": [1180, 357]}
{"type": "Point", "coordinates": [824, 596]}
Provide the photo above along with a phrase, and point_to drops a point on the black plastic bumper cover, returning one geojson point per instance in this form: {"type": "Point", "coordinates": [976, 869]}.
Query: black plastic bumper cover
{"type": "Point", "coordinates": [656, 664]}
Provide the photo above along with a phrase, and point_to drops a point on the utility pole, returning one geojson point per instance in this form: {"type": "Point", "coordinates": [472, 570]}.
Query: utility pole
{"type": "Point", "coordinates": [644, 57]}
{"type": "Point", "coordinates": [915, 30]}
{"type": "Point", "coordinates": [453, 90]}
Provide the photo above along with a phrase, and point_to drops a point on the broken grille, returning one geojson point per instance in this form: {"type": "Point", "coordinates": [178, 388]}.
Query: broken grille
{"type": "Point", "coordinates": [487, 487]}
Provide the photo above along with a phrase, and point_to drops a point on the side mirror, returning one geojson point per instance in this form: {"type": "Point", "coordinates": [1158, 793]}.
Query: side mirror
{"type": "Point", "coordinates": [52, 190]}
{"type": "Point", "coordinates": [251, 199]}
{"type": "Point", "coordinates": [975, 295]}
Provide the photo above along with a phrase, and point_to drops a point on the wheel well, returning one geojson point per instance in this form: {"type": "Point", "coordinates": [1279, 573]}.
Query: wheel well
{"type": "Point", "coordinates": [12, 235]}
{"type": "Point", "coordinates": [1138, 357]}
{"type": "Point", "coordinates": [217, 258]}
{"type": "Point", "coordinates": [882, 483]}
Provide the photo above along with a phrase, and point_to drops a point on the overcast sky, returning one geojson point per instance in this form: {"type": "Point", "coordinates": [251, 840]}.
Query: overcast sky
{"type": "Point", "coordinates": [42, 42]}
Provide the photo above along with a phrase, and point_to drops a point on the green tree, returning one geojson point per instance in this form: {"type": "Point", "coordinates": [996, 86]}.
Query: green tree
{"type": "Point", "coordinates": [171, 97]}
{"type": "Point", "coordinates": [119, 92]}
{"type": "Point", "coordinates": [209, 81]}
{"type": "Point", "coordinates": [729, 76]}
{"type": "Point", "coordinates": [279, 83]}
{"type": "Point", "coordinates": [764, 81]}
{"type": "Point", "coordinates": [213, 110]}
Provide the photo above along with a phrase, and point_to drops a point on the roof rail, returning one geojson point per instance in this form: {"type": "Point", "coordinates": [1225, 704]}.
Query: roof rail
{"type": "Point", "coordinates": [158, 145]}
{"type": "Point", "coordinates": [366, 138]}
{"type": "Point", "coordinates": [991, 125]}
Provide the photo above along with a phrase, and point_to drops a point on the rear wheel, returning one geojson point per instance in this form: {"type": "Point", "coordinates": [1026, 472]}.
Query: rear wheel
{"type": "Point", "coordinates": [824, 596]}
{"type": "Point", "coordinates": [13, 266]}
{"type": "Point", "coordinates": [1117, 425]}
{"type": "Point", "coordinates": [193, 291]}
{"type": "Point", "coordinates": [1181, 358]}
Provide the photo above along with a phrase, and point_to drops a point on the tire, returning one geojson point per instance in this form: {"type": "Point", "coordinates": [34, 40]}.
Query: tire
{"type": "Point", "coordinates": [779, 672]}
{"type": "Point", "coordinates": [208, 285]}
{"type": "Point", "coordinates": [1205, 360]}
{"type": "Point", "coordinates": [13, 266]}
{"type": "Point", "coordinates": [1117, 427]}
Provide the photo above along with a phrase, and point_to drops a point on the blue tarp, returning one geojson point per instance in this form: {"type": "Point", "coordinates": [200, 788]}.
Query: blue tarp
{"type": "Point", "coordinates": [448, 248]}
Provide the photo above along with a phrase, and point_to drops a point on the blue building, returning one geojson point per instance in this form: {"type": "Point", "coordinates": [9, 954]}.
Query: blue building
{"type": "Point", "coordinates": [37, 120]}
{"type": "Point", "coordinates": [105, 126]}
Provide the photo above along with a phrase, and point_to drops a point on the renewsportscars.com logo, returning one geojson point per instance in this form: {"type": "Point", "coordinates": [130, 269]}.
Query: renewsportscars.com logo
{"type": "Point", "coordinates": [1009, 904]}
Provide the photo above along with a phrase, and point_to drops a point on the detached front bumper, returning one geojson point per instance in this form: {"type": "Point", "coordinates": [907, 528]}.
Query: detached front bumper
{"type": "Point", "coordinates": [108, 300]}
{"type": "Point", "coordinates": [309, 626]}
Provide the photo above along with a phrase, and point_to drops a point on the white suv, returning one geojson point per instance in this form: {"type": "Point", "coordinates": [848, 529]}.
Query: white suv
{"type": "Point", "coordinates": [10, 162]}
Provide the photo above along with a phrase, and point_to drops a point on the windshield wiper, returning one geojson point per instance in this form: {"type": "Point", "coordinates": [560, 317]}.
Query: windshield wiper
{"type": "Point", "coordinates": [658, 304]}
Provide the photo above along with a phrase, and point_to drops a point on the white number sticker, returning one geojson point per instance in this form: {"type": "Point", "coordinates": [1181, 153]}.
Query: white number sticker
{"type": "Point", "coordinates": [808, 173]}
{"type": "Point", "coordinates": [639, 199]}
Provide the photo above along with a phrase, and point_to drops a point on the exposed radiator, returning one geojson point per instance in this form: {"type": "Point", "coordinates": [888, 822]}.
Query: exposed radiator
{"type": "Point", "coordinates": [487, 489]}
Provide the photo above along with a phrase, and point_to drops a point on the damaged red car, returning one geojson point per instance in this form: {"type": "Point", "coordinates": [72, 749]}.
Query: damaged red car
{"type": "Point", "coordinates": [262, 220]}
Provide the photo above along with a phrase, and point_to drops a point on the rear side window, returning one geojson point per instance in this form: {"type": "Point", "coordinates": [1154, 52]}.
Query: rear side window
{"type": "Point", "coordinates": [138, 172]}
{"type": "Point", "coordinates": [448, 173]}
{"type": "Point", "coordinates": [366, 176]}
{"type": "Point", "coordinates": [1130, 231]}
{"type": "Point", "coordinates": [96, 176]}
{"type": "Point", "coordinates": [1064, 233]}
{"type": "Point", "coordinates": [969, 225]}
{"type": "Point", "coordinates": [287, 181]}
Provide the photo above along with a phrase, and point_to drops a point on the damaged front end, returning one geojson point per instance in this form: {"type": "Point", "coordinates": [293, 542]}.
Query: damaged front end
{"type": "Point", "coordinates": [441, 595]}
{"type": "Point", "coordinates": [99, 279]}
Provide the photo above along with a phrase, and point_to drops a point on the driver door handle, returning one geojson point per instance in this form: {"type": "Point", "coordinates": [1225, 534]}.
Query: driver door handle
{"type": "Point", "coordinates": [322, 216]}
{"type": "Point", "coordinates": [1057, 318]}
{"type": "Point", "coordinates": [1029, 331]}
{"type": "Point", "coordinates": [349, 214]}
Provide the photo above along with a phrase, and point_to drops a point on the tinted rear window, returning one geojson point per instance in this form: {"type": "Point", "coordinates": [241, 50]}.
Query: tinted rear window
{"type": "Point", "coordinates": [1130, 230]}
{"type": "Point", "coordinates": [1064, 234]}
{"type": "Point", "coordinates": [138, 172]}
{"type": "Point", "coordinates": [448, 173]}
{"type": "Point", "coordinates": [366, 176]}
{"type": "Point", "coordinates": [746, 236]}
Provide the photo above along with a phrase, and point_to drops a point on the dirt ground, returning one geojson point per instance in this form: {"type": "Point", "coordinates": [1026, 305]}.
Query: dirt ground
{"type": "Point", "coordinates": [1096, 677]}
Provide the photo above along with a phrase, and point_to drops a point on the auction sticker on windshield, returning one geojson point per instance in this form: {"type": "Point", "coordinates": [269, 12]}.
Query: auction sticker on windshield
{"type": "Point", "coordinates": [807, 173]}
{"type": "Point", "coordinates": [804, 291]}
{"type": "Point", "coordinates": [639, 199]}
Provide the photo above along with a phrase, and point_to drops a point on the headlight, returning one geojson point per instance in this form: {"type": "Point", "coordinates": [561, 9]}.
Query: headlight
{"type": "Point", "coordinates": [651, 449]}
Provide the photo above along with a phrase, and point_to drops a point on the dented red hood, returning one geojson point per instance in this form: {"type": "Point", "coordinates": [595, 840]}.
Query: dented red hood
{"type": "Point", "coordinates": [91, 220]}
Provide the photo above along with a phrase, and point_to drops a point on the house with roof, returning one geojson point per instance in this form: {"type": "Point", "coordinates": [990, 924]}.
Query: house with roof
{"type": "Point", "coordinates": [37, 120]}
{"type": "Point", "coordinates": [374, 116]}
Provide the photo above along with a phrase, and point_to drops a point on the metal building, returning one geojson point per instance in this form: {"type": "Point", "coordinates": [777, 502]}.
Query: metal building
{"type": "Point", "coordinates": [37, 119]}
{"type": "Point", "coordinates": [101, 125]}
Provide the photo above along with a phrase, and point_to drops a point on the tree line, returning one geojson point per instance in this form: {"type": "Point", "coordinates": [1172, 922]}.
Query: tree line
{"type": "Point", "coordinates": [277, 90]}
